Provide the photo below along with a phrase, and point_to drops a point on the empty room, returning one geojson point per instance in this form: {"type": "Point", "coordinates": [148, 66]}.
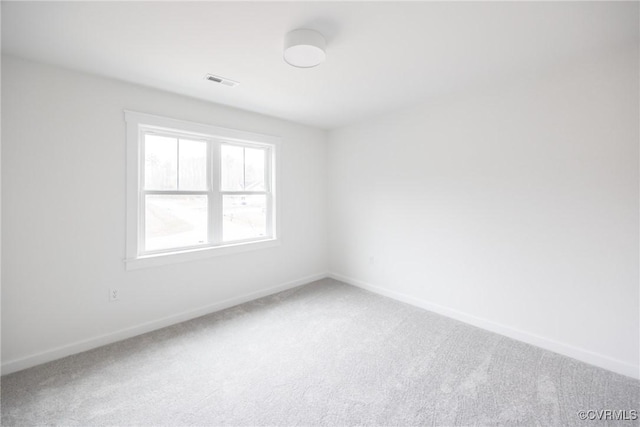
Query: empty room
{"type": "Point", "coordinates": [320, 213]}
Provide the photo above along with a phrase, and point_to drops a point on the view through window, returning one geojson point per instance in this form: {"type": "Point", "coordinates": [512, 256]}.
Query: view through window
{"type": "Point", "coordinates": [199, 192]}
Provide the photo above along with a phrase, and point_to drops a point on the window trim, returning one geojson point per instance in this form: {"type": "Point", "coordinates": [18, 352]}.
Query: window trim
{"type": "Point", "coordinates": [137, 124]}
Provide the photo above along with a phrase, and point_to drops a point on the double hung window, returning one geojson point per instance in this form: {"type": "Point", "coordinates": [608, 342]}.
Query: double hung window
{"type": "Point", "coordinates": [197, 188]}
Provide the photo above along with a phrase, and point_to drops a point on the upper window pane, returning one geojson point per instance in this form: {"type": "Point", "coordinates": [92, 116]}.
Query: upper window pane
{"type": "Point", "coordinates": [242, 168]}
{"type": "Point", "coordinates": [232, 162]}
{"type": "Point", "coordinates": [192, 165]}
{"type": "Point", "coordinates": [160, 162]}
{"type": "Point", "coordinates": [254, 169]}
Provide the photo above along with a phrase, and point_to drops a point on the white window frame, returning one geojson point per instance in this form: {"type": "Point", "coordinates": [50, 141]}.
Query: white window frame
{"type": "Point", "coordinates": [140, 124]}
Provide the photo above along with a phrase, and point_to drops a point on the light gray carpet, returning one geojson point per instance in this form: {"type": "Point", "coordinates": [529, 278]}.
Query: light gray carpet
{"type": "Point", "coordinates": [322, 354]}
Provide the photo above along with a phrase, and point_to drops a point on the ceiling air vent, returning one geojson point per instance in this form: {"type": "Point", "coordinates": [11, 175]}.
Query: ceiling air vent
{"type": "Point", "coordinates": [221, 80]}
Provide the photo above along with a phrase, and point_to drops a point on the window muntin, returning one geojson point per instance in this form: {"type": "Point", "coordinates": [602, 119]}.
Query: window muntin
{"type": "Point", "coordinates": [189, 198]}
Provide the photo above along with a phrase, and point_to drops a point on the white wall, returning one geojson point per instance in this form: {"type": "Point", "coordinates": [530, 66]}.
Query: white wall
{"type": "Point", "coordinates": [63, 217]}
{"type": "Point", "coordinates": [513, 207]}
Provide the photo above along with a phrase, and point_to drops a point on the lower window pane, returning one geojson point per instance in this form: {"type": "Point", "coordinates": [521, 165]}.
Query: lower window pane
{"type": "Point", "coordinates": [175, 221]}
{"type": "Point", "coordinates": [244, 217]}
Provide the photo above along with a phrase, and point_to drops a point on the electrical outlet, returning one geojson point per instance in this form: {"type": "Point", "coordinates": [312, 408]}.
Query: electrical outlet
{"type": "Point", "coordinates": [114, 294]}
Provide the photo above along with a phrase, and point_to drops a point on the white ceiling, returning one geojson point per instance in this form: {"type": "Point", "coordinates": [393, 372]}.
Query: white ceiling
{"type": "Point", "coordinates": [381, 56]}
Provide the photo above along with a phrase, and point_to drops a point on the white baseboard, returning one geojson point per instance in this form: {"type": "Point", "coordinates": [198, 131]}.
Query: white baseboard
{"type": "Point", "coordinates": [586, 356]}
{"type": "Point", "coordinates": [577, 353]}
{"type": "Point", "coordinates": [90, 343]}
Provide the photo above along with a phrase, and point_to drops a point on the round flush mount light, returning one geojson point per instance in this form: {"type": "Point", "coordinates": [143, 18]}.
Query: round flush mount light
{"type": "Point", "coordinates": [304, 48]}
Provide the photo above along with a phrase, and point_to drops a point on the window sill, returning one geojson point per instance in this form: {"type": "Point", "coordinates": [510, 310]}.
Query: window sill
{"type": "Point", "coordinates": [155, 260]}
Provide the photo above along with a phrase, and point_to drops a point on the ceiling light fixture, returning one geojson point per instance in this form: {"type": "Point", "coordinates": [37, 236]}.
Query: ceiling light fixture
{"type": "Point", "coordinates": [304, 48]}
